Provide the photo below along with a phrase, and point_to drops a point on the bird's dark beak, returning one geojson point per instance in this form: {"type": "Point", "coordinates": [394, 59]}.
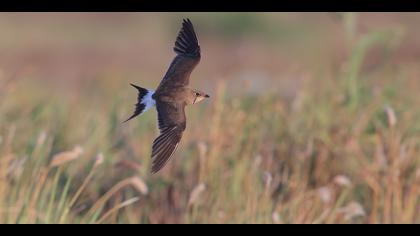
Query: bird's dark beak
{"type": "Point", "coordinates": [207, 96]}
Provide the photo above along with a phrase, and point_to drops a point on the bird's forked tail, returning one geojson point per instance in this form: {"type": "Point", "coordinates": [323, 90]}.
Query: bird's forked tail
{"type": "Point", "coordinates": [144, 101]}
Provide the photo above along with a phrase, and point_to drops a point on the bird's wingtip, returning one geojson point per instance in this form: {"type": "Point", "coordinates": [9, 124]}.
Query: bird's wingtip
{"type": "Point", "coordinates": [154, 170]}
{"type": "Point", "coordinates": [186, 21]}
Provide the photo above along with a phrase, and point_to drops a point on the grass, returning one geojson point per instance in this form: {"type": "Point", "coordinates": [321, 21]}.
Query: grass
{"type": "Point", "coordinates": [344, 149]}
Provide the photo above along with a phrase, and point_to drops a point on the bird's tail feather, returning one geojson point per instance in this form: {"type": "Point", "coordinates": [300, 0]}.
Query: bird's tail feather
{"type": "Point", "coordinates": [144, 101]}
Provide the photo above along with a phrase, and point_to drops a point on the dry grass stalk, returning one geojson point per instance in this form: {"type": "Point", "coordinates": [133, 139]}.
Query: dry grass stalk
{"type": "Point", "coordinates": [116, 208]}
{"type": "Point", "coordinates": [139, 184]}
{"type": "Point", "coordinates": [64, 157]}
{"type": "Point", "coordinates": [342, 180]}
{"type": "Point", "coordinates": [391, 117]}
{"type": "Point", "coordinates": [136, 182]}
{"type": "Point", "coordinates": [352, 210]}
{"type": "Point", "coordinates": [196, 193]}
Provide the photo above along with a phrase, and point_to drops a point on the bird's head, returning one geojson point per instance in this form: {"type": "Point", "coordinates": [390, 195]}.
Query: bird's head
{"type": "Point", "coordinates": [198, 96]}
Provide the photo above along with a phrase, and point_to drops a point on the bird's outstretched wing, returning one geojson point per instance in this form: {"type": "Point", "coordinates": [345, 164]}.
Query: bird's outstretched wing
{"type": "Point", "coordinates": [172, 122]}
{"type": "Point", "coordinates": [188, 56]}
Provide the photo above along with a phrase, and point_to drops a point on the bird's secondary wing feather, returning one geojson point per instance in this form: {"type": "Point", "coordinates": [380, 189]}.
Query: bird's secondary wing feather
{"type": "Point", "coordinates": [172, 122]}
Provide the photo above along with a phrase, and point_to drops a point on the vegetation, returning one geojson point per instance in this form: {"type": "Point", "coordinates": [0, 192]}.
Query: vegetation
{"type": "Point", "coordinates": [331, 139]}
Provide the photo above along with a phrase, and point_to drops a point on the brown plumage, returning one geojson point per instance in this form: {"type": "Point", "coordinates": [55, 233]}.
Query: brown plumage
{"type": "Point", "coordinates": [172, 96]}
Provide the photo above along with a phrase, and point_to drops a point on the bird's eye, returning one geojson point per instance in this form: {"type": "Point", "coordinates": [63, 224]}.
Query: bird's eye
{"type": "Point", "coordinates": [197, 94]}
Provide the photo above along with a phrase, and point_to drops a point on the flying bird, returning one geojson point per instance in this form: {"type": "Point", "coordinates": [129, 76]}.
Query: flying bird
{"type": "Point", "coordinates": [172, 96]}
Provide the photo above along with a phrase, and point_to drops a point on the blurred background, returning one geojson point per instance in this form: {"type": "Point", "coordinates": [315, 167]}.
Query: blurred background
{"type": "Point", "coordinates": [313, 118]}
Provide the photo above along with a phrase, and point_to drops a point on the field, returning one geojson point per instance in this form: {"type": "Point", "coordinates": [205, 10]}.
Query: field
{"type": "Point", "coordinates": [313, 118]}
